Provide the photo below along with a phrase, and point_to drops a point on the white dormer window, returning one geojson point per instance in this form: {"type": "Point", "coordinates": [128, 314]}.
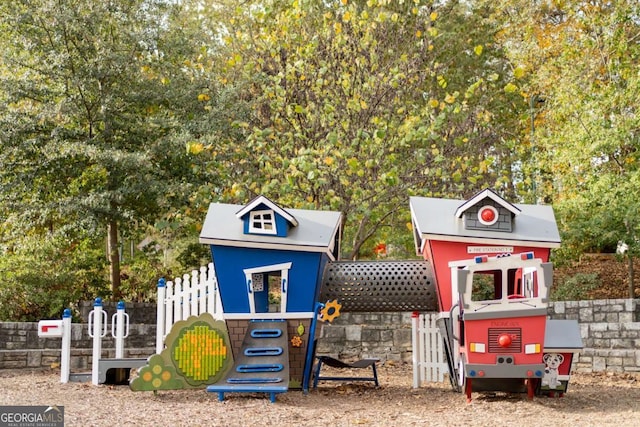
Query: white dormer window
{"type": "Point", "coordinates": [263, 222]}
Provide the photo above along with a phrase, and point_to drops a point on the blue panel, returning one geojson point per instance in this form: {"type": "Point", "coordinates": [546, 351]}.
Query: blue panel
{"type": "Point", "coordinates": [303, 287]}
{"type": "Point", "coordinates": [282, 226]}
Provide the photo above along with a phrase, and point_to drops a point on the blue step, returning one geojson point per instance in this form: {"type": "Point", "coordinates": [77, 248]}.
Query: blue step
{"type": "Point", "coordinates": [266, 333]}
{"type": "Point", "coordinates": [253, 380]}
{"type": "Point", "coordinates": [263, 351]}
{"type": "Point", "coordinates": [260, 367]}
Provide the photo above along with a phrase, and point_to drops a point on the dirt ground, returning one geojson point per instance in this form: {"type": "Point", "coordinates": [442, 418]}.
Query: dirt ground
{"type": "Point", "coordinates": [592, 400]}
{"type": "Point", "coordinates": [612, 273]}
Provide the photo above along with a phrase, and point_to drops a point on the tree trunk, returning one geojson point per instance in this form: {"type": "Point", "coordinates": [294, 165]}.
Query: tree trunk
{"type": "Point", "coordinates": [114, 259]}
{"type": "Point", "coordinates": [632, 293]}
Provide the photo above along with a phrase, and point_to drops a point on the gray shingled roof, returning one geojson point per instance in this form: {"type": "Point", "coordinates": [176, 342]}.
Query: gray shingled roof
{"type": "Point", "coordinates": [435, 219]}
{"type": "Point", "coordinates": [315, 232]}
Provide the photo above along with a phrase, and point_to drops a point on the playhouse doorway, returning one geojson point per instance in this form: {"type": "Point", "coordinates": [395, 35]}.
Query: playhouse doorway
{"type": "Point", "coordinates": [267, 288]}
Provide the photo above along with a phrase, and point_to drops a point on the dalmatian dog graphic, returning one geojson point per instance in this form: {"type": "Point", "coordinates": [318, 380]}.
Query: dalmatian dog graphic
{"type": "Point", "coordinates": [552, 362]}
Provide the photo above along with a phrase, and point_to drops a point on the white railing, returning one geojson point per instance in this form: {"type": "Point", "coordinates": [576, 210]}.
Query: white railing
{"type": "Point", "coordinates": [429, 363]}
{"type": "Point", "coordinates": [189, 295]}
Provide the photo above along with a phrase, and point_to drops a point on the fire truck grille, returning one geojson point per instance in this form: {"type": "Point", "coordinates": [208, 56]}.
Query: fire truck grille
{"type": "Point", "coordinates": [516, 340]}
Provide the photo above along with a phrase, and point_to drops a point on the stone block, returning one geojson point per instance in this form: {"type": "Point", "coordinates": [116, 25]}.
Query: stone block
{"type": "Point", "coordinates": [370, 335]}
{"type": "Point", "coordinates": [601, 343]}
{"type": "Point", "coordinates": [625, 317]}
{"type": "Point", "coordinates": [571, 304]}
{"type": "Point", "coordinates": [34, 359]}
{"type": "Point", "coordinates": [631, 326]}
{"type": "Point", "coordinates": [612, 317]}
{"type": "Point", "coordinates": [599, 317]}
{"type": "Point", "coordinates": [630, 305]}
{"type": "Point", "coordinates": [353, 332]}
{"type": "Point", "coordinates": [334, 332]}
{"type": "Point", "coordinates": [402, 337]}
{"type": "Point", "coordinates": [614, 327]}
{"type": "Point", "coordinates": [614, 361]}
{"type": "Point", "coordinates": [599, 364]}
{"type": "Point", "coordinates": [353, 318]}
{"type": "Point", "coordinates": [386, 335]}
{"type": "Point", "coordinates": [559, 307]}
{"type": "Point", "coordinates": [586, 314]}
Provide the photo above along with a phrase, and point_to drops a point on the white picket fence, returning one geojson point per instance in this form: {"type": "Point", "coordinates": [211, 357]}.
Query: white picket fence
{"type": "Point", "coordinates": [189, 295]}
{"type": "Point", "coordinates": [429, 360]}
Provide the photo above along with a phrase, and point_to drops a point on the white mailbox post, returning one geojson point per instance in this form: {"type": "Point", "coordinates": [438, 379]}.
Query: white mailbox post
{"type": "Point", "coordinates": [59, 329]}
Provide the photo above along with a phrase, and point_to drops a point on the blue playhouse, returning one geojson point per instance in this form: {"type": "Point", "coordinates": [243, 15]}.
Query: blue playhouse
{"type": "Point", "coordinates": [269, 263]}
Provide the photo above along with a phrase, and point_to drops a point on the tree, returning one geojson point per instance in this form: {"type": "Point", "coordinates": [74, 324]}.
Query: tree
{"type": "Point", "coordinates": [587, 137]}
{"type": "Point", "coordinates": [358, 105]}
{"type": "Point", "coordinates": [89, 116]}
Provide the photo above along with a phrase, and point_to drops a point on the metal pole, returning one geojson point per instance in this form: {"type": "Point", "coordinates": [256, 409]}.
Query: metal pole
{"type": "Point", "coordinates": [415, 328]}
{"type": "Point", "coordinates": [120, 329]}
{"type": "Point", "coordinates": [97, 330]}
{"type": "Point", "coordinates": [160, 315]}
{"type": "Point", "coordinates": [65, 356]}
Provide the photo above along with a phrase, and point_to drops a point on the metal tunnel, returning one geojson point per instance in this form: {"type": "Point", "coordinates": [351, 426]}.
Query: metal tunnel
{"type": "Point", "coordinates": [380, 286]}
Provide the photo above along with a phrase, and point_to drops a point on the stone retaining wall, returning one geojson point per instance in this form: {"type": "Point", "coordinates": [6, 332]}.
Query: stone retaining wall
{"type": "Point", "coordinates": [21, 347]}
{"type": "Point", "coordinates": [610, 331]}
{"type": "Point", "coordinates": [386, 336]}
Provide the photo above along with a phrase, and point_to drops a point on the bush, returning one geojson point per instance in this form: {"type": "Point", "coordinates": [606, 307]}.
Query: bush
{"type": "Point", "coordinates": [43, 276]}
{"type": "Point", "coordinates": [576, 287]}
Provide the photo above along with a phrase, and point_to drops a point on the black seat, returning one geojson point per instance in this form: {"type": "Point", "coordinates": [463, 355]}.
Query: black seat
{"type": "Point", "coordinates": [339, 364]}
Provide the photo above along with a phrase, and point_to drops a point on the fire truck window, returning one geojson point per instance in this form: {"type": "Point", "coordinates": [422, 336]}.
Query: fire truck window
{"type": "Point", "coordinates": [487, 285]}
{"type": "Point", "coordinates": [529, 282]}
{"type": "Point", "coordinates": [521, 283]}
{"type": "Point", "coordinates": [514, 282]}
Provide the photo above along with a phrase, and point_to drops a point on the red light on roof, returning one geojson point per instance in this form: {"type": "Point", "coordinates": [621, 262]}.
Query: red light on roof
{"type": "Point", "coordinates": [488, 215]}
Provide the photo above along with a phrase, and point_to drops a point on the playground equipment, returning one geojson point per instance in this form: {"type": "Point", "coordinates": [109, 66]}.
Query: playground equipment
{"type": "Point", "coordinates": [197, 352]}
{"type": "Point", "coordinates": [262, 364]}
{"type": "Point", "coordinates": [262, 251]}
{"type": "Point", "coordinates": [97, 329]}
{"type": "Point", "coordinates": [484, 267]}
{"type": "Point", "coordinates": [339, 364]}
{"type": "Point", "coordinates": [98, 321]}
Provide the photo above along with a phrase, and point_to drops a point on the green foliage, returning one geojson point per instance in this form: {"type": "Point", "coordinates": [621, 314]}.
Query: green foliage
{"type": "Point", "coordinates": [193, 255]}
{"type": "Point", "coordinates": [90, 138]}
{"type": "Point", "coordinates": [43, 276]}
{"type": "Point", "coordinates": [575, 288]}
{"type": "Point", "coordinates": [140, 277]}
{"type": "Point", "coordinates": [359, 105]}
{"type": "Point", "coordinates": [135, 122]}
{"type": "Point", "coordinates": [484, 287]}
{"type": "Point", "coordinates": [585, 136]}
